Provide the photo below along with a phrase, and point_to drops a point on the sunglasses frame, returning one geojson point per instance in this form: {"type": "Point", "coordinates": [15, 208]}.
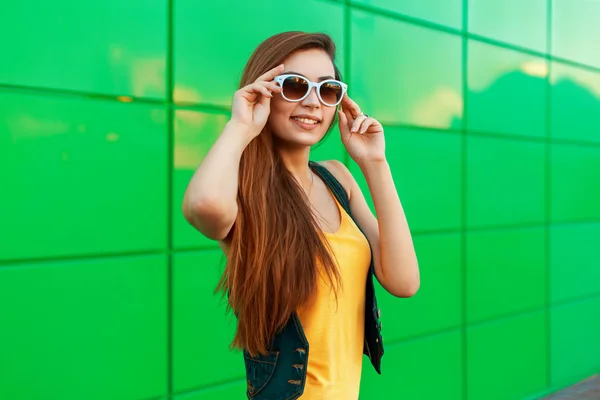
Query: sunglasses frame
{"type": "Point", "coordinates": [317, 85]}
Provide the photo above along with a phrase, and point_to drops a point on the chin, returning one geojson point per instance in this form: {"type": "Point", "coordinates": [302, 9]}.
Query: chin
{"type": "Point", "coordinates": [297, 141]}
{"type": "Point", "coordinates": [296, 136]}
{"type": "Point", "coordinates": [307, 138]}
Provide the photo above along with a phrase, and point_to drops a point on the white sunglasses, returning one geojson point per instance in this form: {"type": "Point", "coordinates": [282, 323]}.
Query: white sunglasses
{"type": "Point", "coordinates": [296, 88]}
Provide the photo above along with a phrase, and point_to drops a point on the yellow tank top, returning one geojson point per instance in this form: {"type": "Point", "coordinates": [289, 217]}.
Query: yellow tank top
{"type": "Point", "coordinates": [335, 334]}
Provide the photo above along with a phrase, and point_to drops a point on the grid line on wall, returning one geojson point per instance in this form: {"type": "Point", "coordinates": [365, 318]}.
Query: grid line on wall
{"type": "Point", "coordinates": [49, 91]}
{"type": "Point", "coordinates": [575, 299]}
{"type": "Point", "coordinates": [405, 18]}
{"type": "Point", "coordinates": [548, 197]}
{"type": "Point", "coordinates": [347, 56]}
{"type": "Point", "coordinates": [206, 107]}
{"type": "Point", "coordinates": [9, 263]}
{"type": "Point", "coordinates": [170, 189]}
{"type": "Point", "coordinates": [464, 208]}
{"type": "Point", "coordinates": [153, 398]}
{"type": "Point", "coordinates": [205, 387]}
{"type": "Point", "coordinates": [534, 139]}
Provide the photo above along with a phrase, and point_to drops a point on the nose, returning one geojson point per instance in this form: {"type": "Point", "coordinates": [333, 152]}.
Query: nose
{"type": "Point", "coordinates": [312, 100]}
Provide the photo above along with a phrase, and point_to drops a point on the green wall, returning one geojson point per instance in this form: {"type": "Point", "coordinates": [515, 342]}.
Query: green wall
{"type": "Point", "coordinates": [492, 117]}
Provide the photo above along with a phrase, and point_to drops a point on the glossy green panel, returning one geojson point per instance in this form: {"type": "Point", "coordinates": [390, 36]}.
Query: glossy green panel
{"type": "Point", "coordinates": [331, 148]}
{"type": "Point", "coordinates": [84, 329]}
{"type": "Point", "coordinates": [81, 182]}
{"type": "Point", "coordinates": [427, 169]}
{"type": "Point", "coordinates": [501, 262]}
{"type": "Point", "coordinates": [211, 49]}
{"type": "Point", "coordinates": [575, 261]}
{"type": "Point", "coordinates": [437, 304]}
{"type": "Point", "coordinates": [575, 30]}
{"type": "Point", "coordinates": [507, 91]}
{"type": "Point", "coordinates": [195, 132]}
{"type": "Point", "coordinates": [574, 103]}
{"type": "Point", "coordinates": [507, 358]}
{"type": "Point", "coordinates": [444, 12]}
{"type": "Point", "coordinates": [575, 176]}
{"type": "Point", "coordinates": [230, 391]}
{"type": "Point", "coordinates": [505, 181]}
{"type": "Point", "coordinates": [425, 368]}
{"type": "Point", "coordinates": [202, 330]}
{"type": "Point", "coordinates": [575, 351]}
{"type": "Point", "coordinates": [418, 83]}
{"type": "Point", "coordinates": [111, 47]}
{"type": "Point", "coordinates": [511, 21]}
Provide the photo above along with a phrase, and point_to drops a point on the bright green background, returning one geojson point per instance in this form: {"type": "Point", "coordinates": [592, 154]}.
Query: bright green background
{"type": "Point", "coordinates": [492, 117]}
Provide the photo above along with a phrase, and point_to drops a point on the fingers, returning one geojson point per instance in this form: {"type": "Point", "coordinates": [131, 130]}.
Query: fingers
{"type": "Point", "coordinates": [349, 117]}
{"type": "Point", "coordinates": [360, 125]}
{"type": "Point", "coordinates": [269, 75]}
{"type": "Point", "coordinates": [265, 101]}
{"type": "Point", "coordinates": [263, 88]}
{"type": "Point", "coordinates": [253, 91]}
{"type": "Point", "coordinates": [367, 123]}
{"type": "Point", "coordinates": [351, 106]}
{"type": "Point", "coordinates": [343, 125]}
{"type": "Point", "coordinates": [263, 85]}
{"type": "Point", "coordinates": [272, 86]}
{"type": "Point", "coordinates": [351, 109]}
{"type": "Point", "coordinates": [268, 86]}
{"type": "Point", "coordinates": [357, 123]}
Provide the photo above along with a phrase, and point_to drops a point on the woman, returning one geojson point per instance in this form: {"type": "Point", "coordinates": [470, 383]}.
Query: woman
{"type": "Point", "coordinates": [302, 245]}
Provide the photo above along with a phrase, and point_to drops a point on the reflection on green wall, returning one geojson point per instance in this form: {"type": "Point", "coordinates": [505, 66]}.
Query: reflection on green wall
{"type": "Point", "coordinates": [492, 136]}
{"type": "Point", "coordinates": [515, 22]}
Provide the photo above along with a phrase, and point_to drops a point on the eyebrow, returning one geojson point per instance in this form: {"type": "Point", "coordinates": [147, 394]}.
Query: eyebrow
{"type": "Point", "coordinates": [321, 78]}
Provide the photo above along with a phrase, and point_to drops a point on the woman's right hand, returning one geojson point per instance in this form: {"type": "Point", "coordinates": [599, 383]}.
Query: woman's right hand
{"type": "Point", "coordinates": [252, 103]}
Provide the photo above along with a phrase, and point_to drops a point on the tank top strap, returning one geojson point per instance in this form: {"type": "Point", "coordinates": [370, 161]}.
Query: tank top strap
{"type": "Point", "coordinates": [333, 184]}
{"type": "Point", "coordinates": [344, 218]}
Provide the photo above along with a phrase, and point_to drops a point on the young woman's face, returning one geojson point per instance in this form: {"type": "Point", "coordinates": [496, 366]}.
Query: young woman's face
{"type": "Point", "coordinates": [305, 122]}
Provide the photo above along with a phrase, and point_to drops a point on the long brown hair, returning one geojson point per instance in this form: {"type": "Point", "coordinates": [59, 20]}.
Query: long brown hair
{"type": "Point", "coordinates": [276, 245]}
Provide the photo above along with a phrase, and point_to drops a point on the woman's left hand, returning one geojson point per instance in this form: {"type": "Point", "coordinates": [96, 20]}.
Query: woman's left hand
{"type": "Point", "coordinates": [362, 135]}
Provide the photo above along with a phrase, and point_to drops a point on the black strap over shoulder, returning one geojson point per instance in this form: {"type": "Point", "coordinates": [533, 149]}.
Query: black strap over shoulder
{"type": "Point", "coordinates": [334, 185]}
{"type": "Point", "coordinates": [373, 339]}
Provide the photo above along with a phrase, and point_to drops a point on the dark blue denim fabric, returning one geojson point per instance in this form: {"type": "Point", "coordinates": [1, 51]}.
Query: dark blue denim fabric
{"type": "Point", "coordinates": [282, 373]}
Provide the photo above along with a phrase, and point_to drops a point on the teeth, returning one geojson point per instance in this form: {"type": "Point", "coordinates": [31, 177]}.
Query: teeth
{"type": "Point", "coordinates": [305, 120]}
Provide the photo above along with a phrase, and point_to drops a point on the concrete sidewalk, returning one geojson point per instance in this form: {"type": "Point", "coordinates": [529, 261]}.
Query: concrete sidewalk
{"type": "Point", "coordinates": [588, 389]}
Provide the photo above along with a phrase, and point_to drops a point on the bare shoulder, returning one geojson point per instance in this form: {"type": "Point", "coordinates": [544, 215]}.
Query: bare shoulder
{"type": "Point", "coordinates": [341, 173]}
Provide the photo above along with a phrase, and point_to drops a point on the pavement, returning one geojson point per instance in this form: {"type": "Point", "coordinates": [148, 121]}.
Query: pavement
{"type": "Point", "coordinates": [588, 389]}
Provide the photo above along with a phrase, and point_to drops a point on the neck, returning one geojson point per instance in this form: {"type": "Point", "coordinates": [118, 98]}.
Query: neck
{"type": "Point", "coordinates": [296, 161]}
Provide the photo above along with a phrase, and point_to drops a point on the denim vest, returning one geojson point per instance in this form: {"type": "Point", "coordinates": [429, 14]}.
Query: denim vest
{"type": "Point", "coordinates": [281, 373]}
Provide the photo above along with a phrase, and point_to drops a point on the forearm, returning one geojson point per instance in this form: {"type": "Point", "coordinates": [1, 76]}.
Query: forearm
{"type": "Point", "coordinates": [399, 269]}
{"type": "Point", "coordinates": [215, 182]}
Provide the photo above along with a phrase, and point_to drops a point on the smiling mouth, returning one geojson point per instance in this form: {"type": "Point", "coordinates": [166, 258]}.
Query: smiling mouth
{"type": "Point", "coordinates": [305, 120]}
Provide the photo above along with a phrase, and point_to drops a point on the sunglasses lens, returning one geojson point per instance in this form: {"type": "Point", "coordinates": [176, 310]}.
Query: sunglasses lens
{"type": "Point", "coordinates": [331, 92]}
{"type": "Point", "coordinates": [294, 87]}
